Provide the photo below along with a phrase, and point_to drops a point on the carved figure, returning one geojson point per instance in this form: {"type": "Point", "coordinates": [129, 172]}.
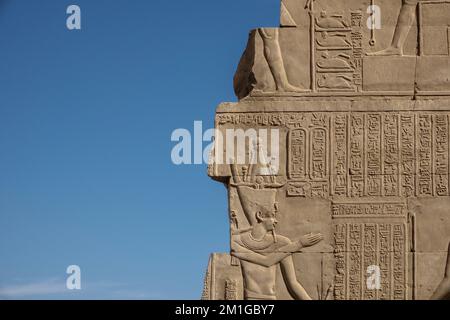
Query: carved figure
{"type": "Point", "coordinates": [260, 250]}
{"type": "Point", "coordinates": [404, 24]}
{"type": "Point", "coordinates": [272, 53]}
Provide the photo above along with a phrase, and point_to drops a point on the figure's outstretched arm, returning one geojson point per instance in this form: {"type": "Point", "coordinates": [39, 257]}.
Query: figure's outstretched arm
{"type": "Point", "coordinates": [294, 287]}
{"type": "Point", "coordinates": [268, 260]}
{"type": "Point", "coordinates": [272, 258]}
{"type": "Point", "coordinates": [443, 290]}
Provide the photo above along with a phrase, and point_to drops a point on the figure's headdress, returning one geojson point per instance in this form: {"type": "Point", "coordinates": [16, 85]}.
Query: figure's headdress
{"type": "Point", "coordinates": [257, 200]}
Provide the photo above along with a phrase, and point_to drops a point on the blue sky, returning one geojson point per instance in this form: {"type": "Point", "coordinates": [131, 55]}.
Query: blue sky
{"type": "Point", "coordinates": [86, 118]}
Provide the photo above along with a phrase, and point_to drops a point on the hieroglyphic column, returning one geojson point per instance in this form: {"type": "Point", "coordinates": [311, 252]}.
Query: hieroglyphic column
{"type": "Point", "coordinates": [362, 241]}
{"type": "Point", "coordinates": [424, 157]}
{"type": "Point", "coordinates": [339, 154]}
{"type": "Point", "coordinates": [441, 155]}
{"type": "Point", "coordinates": [385, 240]}
{"type": "Point", "coordinates": [391, 170]}
{"type": "Point", "coordinates": [408, 155]}
{"type": "Point", "coordinates": [374, 157]}
{"type": "Point", "coordinates": [356, 154]}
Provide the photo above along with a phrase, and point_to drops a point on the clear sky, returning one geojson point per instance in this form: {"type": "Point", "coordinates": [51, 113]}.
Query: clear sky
{"type": "Point", "coordinates": [86, 117]}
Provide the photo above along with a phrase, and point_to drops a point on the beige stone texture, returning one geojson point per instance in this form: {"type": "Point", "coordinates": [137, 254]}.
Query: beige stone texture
{"type": "Point", "coordinates": [337, 156]}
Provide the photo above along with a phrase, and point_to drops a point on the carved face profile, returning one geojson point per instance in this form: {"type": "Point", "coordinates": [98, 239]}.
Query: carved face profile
{"type": "Point", "coordinates": [259, 205]}
{"type": "Point", "coordinates": [268, 219]}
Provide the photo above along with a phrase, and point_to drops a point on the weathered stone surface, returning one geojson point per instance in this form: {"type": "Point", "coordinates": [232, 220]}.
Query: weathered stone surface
{"type": "Point", "coordinates": [428, 276]}
{"type": "Point", "coordinates": [433, 223]}
{"type": "Point", "coordinates": [326, 48]}
{"type": "Point", "coordinates": [270, 62]}
{"type": "Point", "coordinates": [223, 280]}
{"type": "Point", "coordinates": [339, 169]}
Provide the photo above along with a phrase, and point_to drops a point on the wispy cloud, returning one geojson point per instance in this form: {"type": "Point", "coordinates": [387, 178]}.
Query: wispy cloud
{"type": "Point", "coordinates": [47, 287]}
{"type": "Point", "coordinates": [57, 287]}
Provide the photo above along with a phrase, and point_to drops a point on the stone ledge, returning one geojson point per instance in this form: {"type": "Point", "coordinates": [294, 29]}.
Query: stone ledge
{"type": "Point", "coordinates": [344, 105]}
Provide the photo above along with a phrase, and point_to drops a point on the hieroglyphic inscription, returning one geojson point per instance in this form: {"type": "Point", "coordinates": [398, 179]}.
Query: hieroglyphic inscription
{"type": "Point", "coordinates": [369, 210]}
{"type": "Point", "coordinates": [441, 155]}
{"type": "Point", "coordinates": [359, 245]}
{"type": "Point", "coordinates": [298, 154]}
{"type": "Point", "coordinates": [361, 154]}
{"type": "Point", "coordinates": [340, 169]}
{"type": "Point", "coordinates": [357, 45]}
{"type": "Point", "coordinates": [308, 156]}
{"type": "Point", "coordinates": [335, 45]}
{"type": "Point", "coordinates": [356, 155]}
{"type": "Point", "coordinates": [424, 147]}
{"type": "Point", "coordinates": [319, 154]}
{"type": "Point", "coordinates": [391, 174]}
{"type": "Point", "coordinates": [399, 257]}
{"type": "Point", "coordinates": [370, 256]}
{"type": "Point", "coordinates": [374, 157]}
{"type": "Point", "coordinates": [408, 155]}
{"type": "Point", "coordinates": [354, 273]}
{"type": "Point", "coordinates": [231, 290]}
{"type": "Point", "coordinates": [256, 119]}
{"type": "Point", "coordinates": [340, 254]}
{"type": "Point", "coordinates": [385, 239]}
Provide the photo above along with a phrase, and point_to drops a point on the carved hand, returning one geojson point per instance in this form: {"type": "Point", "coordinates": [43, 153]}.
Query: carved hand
{"type": "Point", "coordinates": [311, 239]}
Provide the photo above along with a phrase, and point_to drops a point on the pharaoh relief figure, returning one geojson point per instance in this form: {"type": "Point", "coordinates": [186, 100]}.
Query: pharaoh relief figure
{"type": "Point", "coordinates": [404, 24]}
{"type": "Point", "coordinates": [260, 250]}
{"type": "Point", "coordinates": [272, 53]}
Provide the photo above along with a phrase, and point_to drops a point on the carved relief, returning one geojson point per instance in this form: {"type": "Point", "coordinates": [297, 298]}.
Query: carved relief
{"type": "Point", "coordinates": [340, 169]}
{"type": "Point", "coordinates": [441, 155]}
{"type": "Point", "coordinates": [298, 154]}
{"type": "Point", "coordinates": [391, 165]}
{"type": "Point", "coordinates": [404, 24]}
{"type": "Point", "coordinates": [373, 163]}
{"type": "Point", "coordinates": [319, 157]}
{"type": "Point", "coordinates": [346, 56]}
{"type": "Point", "coordinates": [338, 50]}
{"type": "Point", "coordinates": [424, 149]}
{"type": "Point", "coordinates": [260, 249]}
{"type": "Point", "coordinates": [364, 121]}
{"type": "Point", "coordinates": [223, 281]}
{"type": "Point", "coordinates": [408, 155]}
{"type": "Point", "coordinates": [356, 154]}
{"type": "Point", "coordinates": [231, 288]}
{"type": "Point", "coordinates": [359, 245]}
{"type": "Point", "coordinates": [369, 210]}
{"type": "Point", "coordinates": [206, 294]}
{"type": "Point", "coordinates": [273, 55]}
{"type": "Point", "coordinates": [362, 154]}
